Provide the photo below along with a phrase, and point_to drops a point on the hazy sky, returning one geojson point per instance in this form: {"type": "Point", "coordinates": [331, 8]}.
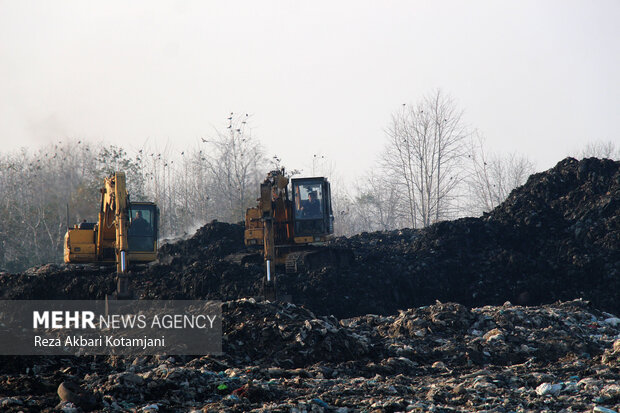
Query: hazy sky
{"type": "Point", "coordinates": [539, 77]}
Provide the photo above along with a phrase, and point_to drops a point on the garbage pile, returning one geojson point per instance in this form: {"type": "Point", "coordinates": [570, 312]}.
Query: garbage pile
{"type": "Point", "coordinates": [555, 238]}
{"type": "Point", "coordinates": [514, 311]}
{"type": "Point", "coordinates": [281, 357]}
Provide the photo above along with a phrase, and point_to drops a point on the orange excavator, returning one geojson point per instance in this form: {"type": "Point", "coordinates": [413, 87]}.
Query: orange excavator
{"type": "Point", "coordinates": [293, 226]}
{"type": "Point", "coordinates": [125, 233]}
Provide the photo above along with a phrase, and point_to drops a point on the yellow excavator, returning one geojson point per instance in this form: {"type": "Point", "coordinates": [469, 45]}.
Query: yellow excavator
{"type": "Point", "coordinates": [125, 233]}
{"type": "Point", "coordinates": [292, 227]}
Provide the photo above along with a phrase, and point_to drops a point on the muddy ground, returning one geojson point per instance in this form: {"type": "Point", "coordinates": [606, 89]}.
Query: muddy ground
{"type": "Point", "coordinates": [513, 311]}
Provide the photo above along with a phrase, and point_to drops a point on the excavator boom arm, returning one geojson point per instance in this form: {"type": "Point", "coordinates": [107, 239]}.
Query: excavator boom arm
{"type": "Point", "coordinates": [122, 221]}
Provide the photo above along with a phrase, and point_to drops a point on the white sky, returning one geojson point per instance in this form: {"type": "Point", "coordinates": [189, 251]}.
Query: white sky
{"type": "Point", "coordinates": [539, 77]}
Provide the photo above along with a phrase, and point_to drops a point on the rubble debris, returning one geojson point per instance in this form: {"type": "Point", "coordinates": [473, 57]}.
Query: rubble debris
{"type": "Point", "coordinates": [282, 357]}
{"type": "Point", "coordinates": [514, 311]}
{"type": "Point", "coordinates": [70, 392]}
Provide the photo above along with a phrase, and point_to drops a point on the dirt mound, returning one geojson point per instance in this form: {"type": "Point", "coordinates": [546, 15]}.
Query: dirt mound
{"type": "Point", "coordinates": [286, 335]}
{"type": "Point", "coordinates": [555, 238]}
{"type": "Point", "coordinates": [212, 241]}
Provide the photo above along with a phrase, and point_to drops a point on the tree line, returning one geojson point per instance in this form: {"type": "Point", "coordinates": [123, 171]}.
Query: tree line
{"type": "Point", "coordinates": [432, 168]}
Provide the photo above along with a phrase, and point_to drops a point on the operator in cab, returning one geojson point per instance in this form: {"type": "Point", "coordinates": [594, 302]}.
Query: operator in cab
{"type": "Point", "coordinates": [312, 207]}
{"type": "Point", "coordinates": [139, 225]}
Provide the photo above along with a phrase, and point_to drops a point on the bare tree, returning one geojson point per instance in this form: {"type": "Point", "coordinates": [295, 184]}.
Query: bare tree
{"type": "Point", "coordinates": [492, 177]}
{"type": "Point", "coordinates": [377, 204]}
{"type": "Point", "coordinates": [424, 152]}
{"type": "Point", "coordinates": [110, 159]}
{"type": "Point", "coordinates": [235, 163]}
{"type": "Point", "coordinates": [600, 149]}
{"type": "Point", "coordinates": [35, 189]}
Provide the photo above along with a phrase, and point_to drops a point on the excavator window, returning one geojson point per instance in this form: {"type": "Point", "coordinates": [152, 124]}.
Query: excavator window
{"type": "Point", "coordinates": [142, 230]}
{"type": "Point", "coordinates": [310, 206]}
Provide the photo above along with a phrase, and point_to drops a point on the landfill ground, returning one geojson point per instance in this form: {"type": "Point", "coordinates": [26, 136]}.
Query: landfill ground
{"type": "Point", "coordinates": [513, 311]}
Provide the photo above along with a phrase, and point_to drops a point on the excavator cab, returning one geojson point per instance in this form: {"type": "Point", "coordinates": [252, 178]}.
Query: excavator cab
{"type": "Point", "coordinates": [142, 234]}
{"type": "Point", "coordinates": [313, 216]}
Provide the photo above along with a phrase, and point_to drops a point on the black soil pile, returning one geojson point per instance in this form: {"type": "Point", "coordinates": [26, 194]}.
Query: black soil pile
{"type": "Point", "coordinates": [373, 336]}
{"type": "Point", "coordinates": [555, 238]}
